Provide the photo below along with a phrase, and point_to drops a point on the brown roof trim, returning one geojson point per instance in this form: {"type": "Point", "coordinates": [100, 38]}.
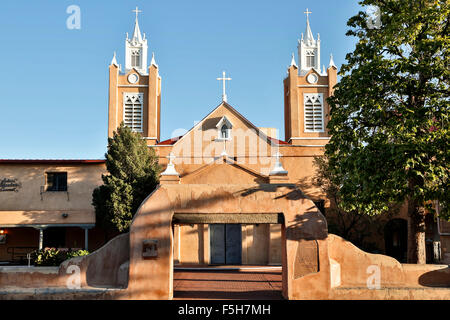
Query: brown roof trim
{"type": "Point", "coordinates": [169, 142]}
{"type": "Point", "coordinates": [51, 161]}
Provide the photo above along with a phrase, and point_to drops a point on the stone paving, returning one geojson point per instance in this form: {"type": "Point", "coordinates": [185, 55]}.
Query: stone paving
{"type": "Point", "coordinates": [227, 284]}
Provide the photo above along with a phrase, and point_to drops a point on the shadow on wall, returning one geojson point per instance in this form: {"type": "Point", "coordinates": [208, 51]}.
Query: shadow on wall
{"type": "Point", "coordinates": [309, 225]}
{"type": "Point", "coordinates": [103, 267]}
{"type": "Point", "coordinates": [436, 278]}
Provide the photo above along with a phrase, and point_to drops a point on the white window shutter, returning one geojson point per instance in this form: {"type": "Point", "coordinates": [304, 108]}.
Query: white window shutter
{"type": "Point", "coordinates": [313, 112]}
{"type": "Point", "coordinates": [133, 111]}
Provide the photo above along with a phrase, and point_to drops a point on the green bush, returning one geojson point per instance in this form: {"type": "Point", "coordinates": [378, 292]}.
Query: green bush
{"type": "Point", "coordinates": [54, 257]}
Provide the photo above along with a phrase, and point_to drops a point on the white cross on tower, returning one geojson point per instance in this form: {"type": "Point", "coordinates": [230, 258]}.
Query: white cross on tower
{"type": "Point", "coordinates": [224, 95]}
{"type": "Point", "coordinates": [307, 13]}
{"type": "Point", "coordinates": [137, 12]}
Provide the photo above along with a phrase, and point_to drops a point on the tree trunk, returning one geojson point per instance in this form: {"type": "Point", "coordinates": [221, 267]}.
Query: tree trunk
{"type": "Point", "coordinates": [416, 234]}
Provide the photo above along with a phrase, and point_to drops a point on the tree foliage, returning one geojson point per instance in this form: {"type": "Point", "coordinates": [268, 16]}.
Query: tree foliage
{"type": "Point", "coordinates": [354, 226]}
{"type": "Point", "coordinates": [390, 110]}
{"type": "Point", "coordinates": [133, 173]}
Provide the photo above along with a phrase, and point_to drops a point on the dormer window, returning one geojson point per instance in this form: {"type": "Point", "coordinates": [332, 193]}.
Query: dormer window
{"type": "Point", "coordinates": [224, 129]}
{"type": "Point", "coordinates": [224, 132]}
{"type": "Point", "coordinates": [135, 59]}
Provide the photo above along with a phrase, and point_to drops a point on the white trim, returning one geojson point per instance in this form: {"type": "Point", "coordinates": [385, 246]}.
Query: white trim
{"type": "Point", "coordinates": [226, 105]}
{"type": "Point", "coordinates": [156, 102]}
{"type": "Point", "coordinates": [148, 138]}
{"type": "Point", "coordinates": [229, 126]}
{"type": "Point", "coordinates": [318, 97]}
{"type": "Point", "coordinates": [141, 100]}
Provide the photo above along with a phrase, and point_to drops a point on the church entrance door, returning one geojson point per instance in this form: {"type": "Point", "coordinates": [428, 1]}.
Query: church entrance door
{"type": "Point", "coordinates": [226, 243]}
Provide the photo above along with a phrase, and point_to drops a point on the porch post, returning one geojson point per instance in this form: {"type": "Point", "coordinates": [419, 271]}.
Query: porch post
{"type": "Point", "coordinates": [86, 238]}
{"type": "Point", "coordinates": [41, 238]}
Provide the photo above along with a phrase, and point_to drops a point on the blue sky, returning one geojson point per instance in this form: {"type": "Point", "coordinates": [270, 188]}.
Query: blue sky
{"type": "Point", "coordinates": [54, 84]}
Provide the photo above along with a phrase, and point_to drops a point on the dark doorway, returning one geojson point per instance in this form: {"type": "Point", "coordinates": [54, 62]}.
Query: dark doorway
{"type": "Point", "coordinates": [396, 239]}
{"type": "Point", "coordinates": [55, 237]}
{"type": "Point", "coordinates": [226, 243]}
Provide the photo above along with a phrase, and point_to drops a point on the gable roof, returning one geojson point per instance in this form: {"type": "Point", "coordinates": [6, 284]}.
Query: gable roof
{"type": "Point", "coordinates": [226, 160]}
{"type": "Point", "coordinates": [239, 115]}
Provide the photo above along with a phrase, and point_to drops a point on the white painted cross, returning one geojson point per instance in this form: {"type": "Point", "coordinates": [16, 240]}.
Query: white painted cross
{"type": "Point", "coordinates": [307, 13]}
{"type": "Point", "coordinates": [171, 157]}
{"type": "Point", "coordinates": [137, 12]}
{"type": "Point", "coordinates": [224, 95]}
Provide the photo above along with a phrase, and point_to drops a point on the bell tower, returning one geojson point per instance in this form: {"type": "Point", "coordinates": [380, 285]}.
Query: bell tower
{"type": "Point", "coordinates": [306, 88]}
{"type": "Point", "coordinates": [135, 91]}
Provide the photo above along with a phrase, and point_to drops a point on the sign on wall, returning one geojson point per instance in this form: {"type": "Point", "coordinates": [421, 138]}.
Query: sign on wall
{"type": "Point", "coordinates": [10, 185]}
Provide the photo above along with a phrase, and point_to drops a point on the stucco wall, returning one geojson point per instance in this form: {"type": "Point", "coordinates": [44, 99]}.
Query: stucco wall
{"type": "Point", "coordinates": [29, 206]}
{"type": "Point", "coordinates": [354, 264]}
{"type": "Point", "coordinates": [101, 268]}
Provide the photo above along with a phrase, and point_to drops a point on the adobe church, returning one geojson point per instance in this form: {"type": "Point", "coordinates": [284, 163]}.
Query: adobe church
{"type": "Point", "coordinates": [225, 147]}
{"type": "Point", "coordinates": [47, 203]}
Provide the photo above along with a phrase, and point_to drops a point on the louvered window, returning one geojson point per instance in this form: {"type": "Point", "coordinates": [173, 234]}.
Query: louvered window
{"type": "Point", "coordinates": [135, 59]}
{"type": "Point", "coordinates": [310, 59]}
{"type": "Point", "coordinates": [313, 112]}
{"type": "Point", "coordinates": [132, 110]}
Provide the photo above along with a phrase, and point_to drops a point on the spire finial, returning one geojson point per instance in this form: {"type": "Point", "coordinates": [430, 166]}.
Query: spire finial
{"type": "Point", "coordinates": [308, 32]}
{"type": "Point", "coordinates": [114, 60]}
{"type": "Point", "coordinates": [153, 62]}
{"type": "Point", "coordinates": [307, 14]}
{"type": "Point", "coordinates": [170, 170]}
{"type": "Point", "coordinates": [278, 167]}
{"type": "Point", "coordinates": [293, 61]}
{"type": "Point", "coordinates": [138, 11]}
{"type": "Point", "coordinates": [332, 64]}
{"type": "Point", "coordinates": [137, 32]}
{"type": "Point", "coordinates": [224, 94]}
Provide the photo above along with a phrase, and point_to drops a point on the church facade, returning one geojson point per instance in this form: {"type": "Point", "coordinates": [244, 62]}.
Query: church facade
{"type": "Point", "coordinates": [225, 147]}
{"type": "Point", "coordinates": [46, 199]}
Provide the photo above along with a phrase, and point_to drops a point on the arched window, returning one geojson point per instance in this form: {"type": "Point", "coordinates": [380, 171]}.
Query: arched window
{"type": "Point", "coordinates": [224, 127]}
{"type": "Point", "coordinates": [224, 132]}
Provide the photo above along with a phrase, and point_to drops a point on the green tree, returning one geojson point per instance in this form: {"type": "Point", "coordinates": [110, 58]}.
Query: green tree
{"type": "Point", "coordinates": [354, 226]}
{"type": "Point", "coordinates": [389, 114]}
{"type": "Point", "coordinates": [133, 173]}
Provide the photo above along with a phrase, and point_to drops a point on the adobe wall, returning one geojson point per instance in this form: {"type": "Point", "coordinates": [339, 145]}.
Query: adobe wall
{"type": "Point", "coordinates": [28, 204]}
{"type": "Point", "coordinates": [303, 231]}
{"type": "Point", "coordinates": [354, 264]}
{"type": "Point", "coordinates": [101, 268]}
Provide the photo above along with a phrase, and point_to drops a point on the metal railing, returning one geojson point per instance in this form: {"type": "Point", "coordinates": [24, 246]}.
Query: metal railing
{"type": "Point", "coordinates": [44, 190]}
{"type": "Point", "coordinates": [21, 254]}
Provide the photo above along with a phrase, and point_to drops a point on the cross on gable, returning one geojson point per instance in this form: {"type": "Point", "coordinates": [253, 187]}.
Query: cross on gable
{"type": "Point", "coordinates": [224, 78]}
